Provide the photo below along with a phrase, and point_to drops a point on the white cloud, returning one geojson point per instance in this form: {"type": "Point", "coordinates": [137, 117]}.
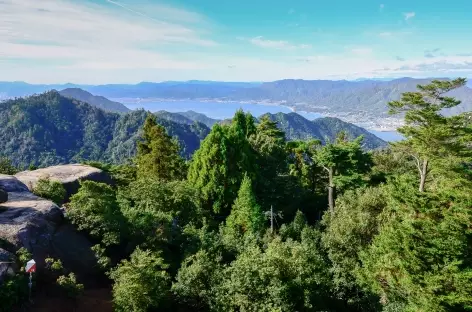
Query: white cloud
{"type": "Point", "coordinates": [94, 36]}
{"type": "Point", "coordinates": [50, 41]}
{"type": "Point", "coordinates": [409, 15]}
{"type": "Point", "coordinates": [276, 44]}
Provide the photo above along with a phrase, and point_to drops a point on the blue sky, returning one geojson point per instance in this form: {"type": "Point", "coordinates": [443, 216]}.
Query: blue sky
{"type": "Point", "coordinates": [128, 41]}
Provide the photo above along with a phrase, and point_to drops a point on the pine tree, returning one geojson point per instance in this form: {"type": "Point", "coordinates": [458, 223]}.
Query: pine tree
{"type": "Point", "coordinates": [430, 135]}
{"type": "Point", "coordinates": [302, 164]}
{"type": "Point", "coordinates": [345, 162]}
{"type": "Point", "coordinates": [246, 215]}
{"type": "Point", "coordinates": [158, 154]}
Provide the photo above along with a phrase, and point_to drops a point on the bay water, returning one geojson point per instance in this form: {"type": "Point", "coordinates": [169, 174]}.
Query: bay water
{"type": "Point", "coordinates": [225, 110]}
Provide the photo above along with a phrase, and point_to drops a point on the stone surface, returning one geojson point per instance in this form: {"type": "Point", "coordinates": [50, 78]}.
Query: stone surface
{"type": "Point", "coordinates": [37, 224]}
{"type": "Point", "coordinates": [29, 221]}
{"type": "Point", "coordinates": [69, 175]}
{"type": "Point", "coordinates": [3, 196]}
{"type": "Point", "coordinates": [11, 184]}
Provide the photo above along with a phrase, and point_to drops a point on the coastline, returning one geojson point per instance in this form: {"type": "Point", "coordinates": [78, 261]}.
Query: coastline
{"type": "Point", "coordinates": [377, 124]}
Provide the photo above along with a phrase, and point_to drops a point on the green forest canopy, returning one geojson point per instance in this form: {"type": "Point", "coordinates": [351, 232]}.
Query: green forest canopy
{"type": "Point", "coordinates": [198, 237]}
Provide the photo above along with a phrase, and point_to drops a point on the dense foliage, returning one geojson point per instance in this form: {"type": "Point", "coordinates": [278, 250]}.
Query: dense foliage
{"type": "Point", "coordinates": [256, 223]}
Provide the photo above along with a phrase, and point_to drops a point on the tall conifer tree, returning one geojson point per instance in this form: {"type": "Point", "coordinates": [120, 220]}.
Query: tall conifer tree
{"type": "Point", "coordinates": [158, 154]}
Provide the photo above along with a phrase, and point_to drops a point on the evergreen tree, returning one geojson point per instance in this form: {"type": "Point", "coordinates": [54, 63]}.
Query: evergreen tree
{"type": "Point", "coordinates": [242, 157]}
{"type": "Point", "coordinates": [421, 259]}
{"type": "Point", "coordinates": [209, 170]}
{"type": "Point", "coordinates": [158, 154]}
{"type": "Point", "coordinates": [246, 215]}
{"type": "Point", "coordinates": [141, 283]}
{"type": "Point", "coordinates": [268, 142]}
{"type": "Point", "coordinates": [218, 165]}
{"type": "Point", "coordinates": [303, 164]}
{"type": "Point", "coordinates": [345, 162]}
{"type": "Point", "coordinates": [431, 136]}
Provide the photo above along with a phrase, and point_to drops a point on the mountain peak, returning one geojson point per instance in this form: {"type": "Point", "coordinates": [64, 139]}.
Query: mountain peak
{"type": "Point", "coordinates": [97, 101]}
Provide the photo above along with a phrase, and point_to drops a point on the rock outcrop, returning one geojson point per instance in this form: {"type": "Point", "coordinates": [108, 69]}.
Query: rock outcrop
{"type": "Point", "coordinates": [27, 220]}
{"type": "Point", "coordinates": [3, 196]}
{"type": "Point", "coordinates": [37, 224]}
{"type": "Point", "coordinates": [69, 175]}
{"type": "Point", "coordinates": [11, 184]}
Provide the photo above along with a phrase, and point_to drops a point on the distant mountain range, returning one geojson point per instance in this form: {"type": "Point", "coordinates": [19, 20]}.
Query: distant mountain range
{"type": "Point", "coordinates": [97, 101]}
{"type": "Point", "coordinates": [362, 100]}
{"type": "Point", "coordinates": [49, 129]}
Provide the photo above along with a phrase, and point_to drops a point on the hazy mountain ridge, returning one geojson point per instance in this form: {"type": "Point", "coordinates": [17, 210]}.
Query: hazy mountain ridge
{"type": "Point", "coordinates": [209, 122]}
{"type": "Point", "coordinates": [364, 98]}
{"type": "Point", "coordinates": [324, 129]}
{"type": "Point", "coordinates": [94, 100]}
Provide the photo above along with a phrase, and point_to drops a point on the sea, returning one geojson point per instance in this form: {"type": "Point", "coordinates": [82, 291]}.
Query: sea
{"type": "Point", "coordinates": [224, 110]}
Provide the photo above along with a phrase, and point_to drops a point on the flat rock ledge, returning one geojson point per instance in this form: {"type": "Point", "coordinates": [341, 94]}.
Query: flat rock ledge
{"type": "Point", "coordinates": [69, 175]}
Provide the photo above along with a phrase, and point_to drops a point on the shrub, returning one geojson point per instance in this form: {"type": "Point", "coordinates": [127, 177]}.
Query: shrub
{"type": "Point", "coordinates": [54, 265]}
{"type": "Point", "coordinates": [70, 286]}
{"type": "Point", "coordinates": [52, 190]}
{"type": "Point", "coordinates": [23, 256]}
{"type": "Point", "coordinates": [6, 166]}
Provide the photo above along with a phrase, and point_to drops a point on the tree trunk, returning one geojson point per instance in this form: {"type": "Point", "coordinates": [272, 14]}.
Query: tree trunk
{"type": "Point", "coordinates": [423, 173]}
{"type": "Point", "coordinates": [331, 190]}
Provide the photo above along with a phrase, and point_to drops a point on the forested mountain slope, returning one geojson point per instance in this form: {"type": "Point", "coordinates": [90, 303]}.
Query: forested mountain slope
{"type": "Point", "coordinates": [51, 129]}
{"type": "Point", "coordinates": [324, 129]}
{"type": "Point", "coordinates": [199, 117]}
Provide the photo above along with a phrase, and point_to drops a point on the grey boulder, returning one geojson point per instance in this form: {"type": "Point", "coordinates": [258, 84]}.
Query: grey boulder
{"type": "Point", "coordinates": [3, 196]}
{"type": "Point", "coordinates": [37, 224]}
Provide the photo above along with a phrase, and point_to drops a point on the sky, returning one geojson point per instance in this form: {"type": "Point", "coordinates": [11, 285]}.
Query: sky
{"type": "Point", "coordinates": [129, 41]}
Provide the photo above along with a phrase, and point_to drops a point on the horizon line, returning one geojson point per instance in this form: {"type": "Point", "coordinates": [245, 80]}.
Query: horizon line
{"type": "Point", "coordinates": [225, 81]}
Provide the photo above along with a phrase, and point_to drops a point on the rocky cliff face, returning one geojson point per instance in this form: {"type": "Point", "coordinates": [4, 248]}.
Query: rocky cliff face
{"type": "Point", "coordinates": [37, 224]}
